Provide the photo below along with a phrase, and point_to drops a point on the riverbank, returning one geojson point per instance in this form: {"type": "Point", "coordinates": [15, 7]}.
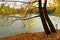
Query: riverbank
{"type": "Point", "coordinates": [34, 36]}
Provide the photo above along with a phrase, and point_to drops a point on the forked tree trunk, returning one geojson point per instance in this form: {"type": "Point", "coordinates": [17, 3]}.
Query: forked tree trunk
{"type": "Point", "coordinates": [43, 19]}
{"type": "Point", "coordinates": [48, 19]}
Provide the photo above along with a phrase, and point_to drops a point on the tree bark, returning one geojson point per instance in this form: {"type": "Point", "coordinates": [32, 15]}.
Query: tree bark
{"type": "Point", "coordinates": [43, 18]}
{"type": "Point", "coordinates": [48, 19]}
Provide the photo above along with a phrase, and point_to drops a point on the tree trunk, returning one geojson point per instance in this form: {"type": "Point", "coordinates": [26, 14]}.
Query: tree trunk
{"type": "Point", "coordinates": [43, 19]}
{"type": "Point", "coordinates": [48, 19]}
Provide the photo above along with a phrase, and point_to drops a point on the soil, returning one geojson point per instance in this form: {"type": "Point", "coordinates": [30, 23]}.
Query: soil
{"type": "Point", "coordinates": [34, 36]}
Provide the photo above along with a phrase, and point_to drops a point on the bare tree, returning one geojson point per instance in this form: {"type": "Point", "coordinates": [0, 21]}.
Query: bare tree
{"type": "Point", "coordinates": [45, 19]}
{"type": "Point", "coordinates": [48, 19]}
{"type": "Point", "coordinates": [45, 26]}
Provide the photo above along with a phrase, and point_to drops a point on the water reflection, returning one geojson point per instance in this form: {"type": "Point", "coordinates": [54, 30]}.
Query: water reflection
{"type": "Point", "coordinates": [17, 26]}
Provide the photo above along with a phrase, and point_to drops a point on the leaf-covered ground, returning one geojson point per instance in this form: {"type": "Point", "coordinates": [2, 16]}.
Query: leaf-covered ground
{"type": "Point", "coordinates": [34, 36]}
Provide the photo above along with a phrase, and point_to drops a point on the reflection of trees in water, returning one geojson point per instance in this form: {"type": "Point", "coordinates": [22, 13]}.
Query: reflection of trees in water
{"type": "Point", "coordinates": [4, 20]}
{"type": "Point", "coordinates": [8, 20]}
{"type": "Point", "coordinates": [56, 21]}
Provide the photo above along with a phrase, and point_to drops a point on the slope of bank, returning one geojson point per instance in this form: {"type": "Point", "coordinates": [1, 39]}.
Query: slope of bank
{"type": "Point", "coordinates": [34, 36]}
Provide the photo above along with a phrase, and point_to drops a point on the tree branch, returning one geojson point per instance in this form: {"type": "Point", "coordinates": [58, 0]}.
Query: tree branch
{"type": "Point", "coordinates": [45, 4]}
{"type": "Point", "coordinates": [20, 18]}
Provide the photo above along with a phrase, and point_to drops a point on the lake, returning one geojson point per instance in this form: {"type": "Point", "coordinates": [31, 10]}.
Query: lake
{"type": "Point", "coordinates": [17, 27]}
